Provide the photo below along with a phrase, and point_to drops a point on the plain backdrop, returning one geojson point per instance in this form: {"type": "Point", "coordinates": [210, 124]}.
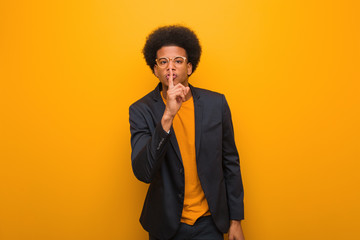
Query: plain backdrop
{"type": "Point", "coordinates": [69, 71]}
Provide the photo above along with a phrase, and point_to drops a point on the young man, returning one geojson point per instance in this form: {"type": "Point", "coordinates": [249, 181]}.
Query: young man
{"type": "Point", "coordinates": [183, 144]}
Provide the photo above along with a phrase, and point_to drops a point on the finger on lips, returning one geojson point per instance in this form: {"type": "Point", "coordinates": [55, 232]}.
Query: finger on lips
{"type": "Point", "coordinates": [171, 80]}
{"type": "Point", "coordinates": [178, 91]}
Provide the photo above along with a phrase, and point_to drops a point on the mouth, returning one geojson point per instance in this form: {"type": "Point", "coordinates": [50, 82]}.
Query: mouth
{"type": "Point", "coordinates": [168, 76]}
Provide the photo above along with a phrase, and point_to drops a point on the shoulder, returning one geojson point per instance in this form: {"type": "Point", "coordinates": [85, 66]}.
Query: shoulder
{"type": "Point", "coordinates": [211, 100]}
{"type": "Point", "coordinates": [146, 101]}
{"type": "Point", "coordinates": [209, 94]}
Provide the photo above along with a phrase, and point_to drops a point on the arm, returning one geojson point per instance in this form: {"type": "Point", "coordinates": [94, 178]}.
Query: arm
{"type": "Point", "coordinates": [149, 148]}
{"type": "Point", "coordinates": [232, 174]}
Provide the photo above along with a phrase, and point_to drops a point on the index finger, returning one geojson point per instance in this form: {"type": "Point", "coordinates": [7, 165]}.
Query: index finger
{"type": "Point", "coordinates": [171, 80]}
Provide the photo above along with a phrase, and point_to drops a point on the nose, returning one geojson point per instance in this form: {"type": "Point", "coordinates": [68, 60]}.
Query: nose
{"type": "Point", "coordinates": [171, 64]}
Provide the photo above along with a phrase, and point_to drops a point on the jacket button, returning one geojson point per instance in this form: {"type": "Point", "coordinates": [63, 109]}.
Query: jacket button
{"type": "Point", "coordinates": [181, 170]}
{"type": "Point", "coordinates": [180, 195]}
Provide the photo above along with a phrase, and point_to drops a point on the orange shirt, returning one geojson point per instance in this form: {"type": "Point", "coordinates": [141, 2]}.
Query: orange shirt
{"type": "Point", "coordinates": [195, 203]}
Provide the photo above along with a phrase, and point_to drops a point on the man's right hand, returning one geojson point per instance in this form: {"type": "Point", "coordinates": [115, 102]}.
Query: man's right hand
{"type": "Point", "coordinates": [175, 96]}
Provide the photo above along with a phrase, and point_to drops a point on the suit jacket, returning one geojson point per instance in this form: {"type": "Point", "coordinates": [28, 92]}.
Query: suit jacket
{"type": "Point", "coordinates": [156, 160]}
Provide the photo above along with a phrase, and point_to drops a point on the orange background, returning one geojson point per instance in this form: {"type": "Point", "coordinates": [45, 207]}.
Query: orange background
{"type": "Point", "coordinates": [70, 69]}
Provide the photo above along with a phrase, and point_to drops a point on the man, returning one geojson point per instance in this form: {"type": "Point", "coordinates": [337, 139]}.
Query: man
{"type": "Point", "coordinates": [183, 144]}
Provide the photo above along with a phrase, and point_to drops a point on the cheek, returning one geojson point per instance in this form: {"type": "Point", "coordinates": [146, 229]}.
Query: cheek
{"type": "Point", "coordinates": [158, 72]}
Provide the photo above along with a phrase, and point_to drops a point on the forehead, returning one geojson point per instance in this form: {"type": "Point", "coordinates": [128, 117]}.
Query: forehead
{"type": "Point", "coordinates": [171, 51]}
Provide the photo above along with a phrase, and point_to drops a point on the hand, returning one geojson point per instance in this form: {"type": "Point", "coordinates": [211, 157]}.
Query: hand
{"type": "Point", "coordinates": [235, 230]}
{"type": "Point", "coordinates": [175, 96]}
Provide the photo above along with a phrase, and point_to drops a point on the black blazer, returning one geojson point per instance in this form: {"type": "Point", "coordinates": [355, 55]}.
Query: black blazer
{"type": "Point", "coordinates": [156, 160]}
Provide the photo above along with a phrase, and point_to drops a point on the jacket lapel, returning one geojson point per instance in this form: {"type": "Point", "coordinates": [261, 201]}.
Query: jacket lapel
{"type": "Point", "coordinates": [198, 107]}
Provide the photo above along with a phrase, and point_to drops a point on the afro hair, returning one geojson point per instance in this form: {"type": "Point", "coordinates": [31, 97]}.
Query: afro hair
{"type": "Point", "coordinates": [173, 35]}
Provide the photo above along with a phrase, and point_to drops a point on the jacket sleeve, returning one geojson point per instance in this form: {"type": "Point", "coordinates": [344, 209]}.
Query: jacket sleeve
{"type": "Point", "coordinates": [231, 167]}
{"type": "Point", "coordinates": [148, 144]}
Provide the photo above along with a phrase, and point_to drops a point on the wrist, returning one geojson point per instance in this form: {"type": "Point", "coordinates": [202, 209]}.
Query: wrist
{"type": "Point", "coordinates": [235, 222]}
{"type": "Point", "coordinates": [167, 115]}
{"type": "Point", "coordinates": [166, 122]}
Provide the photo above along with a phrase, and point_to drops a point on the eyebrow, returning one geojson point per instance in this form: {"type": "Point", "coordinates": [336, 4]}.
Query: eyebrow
{"type": "Point", "coordinates": [172, 57]}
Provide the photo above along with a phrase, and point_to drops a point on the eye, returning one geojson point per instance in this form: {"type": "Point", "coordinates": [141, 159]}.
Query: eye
{"type": "Point", "coordinates": [162, 61]}
{"type": "Point", "coordinates": [179, 60]}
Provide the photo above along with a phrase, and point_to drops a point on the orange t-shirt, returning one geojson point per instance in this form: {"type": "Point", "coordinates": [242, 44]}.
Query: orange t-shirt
{"type": "Point", "coordinates": [195, 203]}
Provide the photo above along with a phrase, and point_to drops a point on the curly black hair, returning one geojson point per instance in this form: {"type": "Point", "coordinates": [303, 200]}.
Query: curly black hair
{"type": "Point", "coordinates": [173, 35]}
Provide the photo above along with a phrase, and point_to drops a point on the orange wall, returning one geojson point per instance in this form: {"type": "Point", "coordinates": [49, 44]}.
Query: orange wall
{"type": "Point", "coordinates": [70, 69]}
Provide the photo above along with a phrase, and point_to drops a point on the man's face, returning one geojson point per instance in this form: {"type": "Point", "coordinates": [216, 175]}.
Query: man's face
{"type": "Point", "coordinates": [181, 71]}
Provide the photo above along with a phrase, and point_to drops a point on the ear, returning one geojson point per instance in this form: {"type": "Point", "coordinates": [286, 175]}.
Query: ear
{"type": "Point", "coordinates": [189, 69]}
{"type": "Point", "coordinates": [156, 71]}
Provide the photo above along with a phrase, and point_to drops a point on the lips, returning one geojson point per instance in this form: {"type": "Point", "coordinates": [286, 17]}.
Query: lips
{"type": "Point", "coordinates": [168, 76]}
